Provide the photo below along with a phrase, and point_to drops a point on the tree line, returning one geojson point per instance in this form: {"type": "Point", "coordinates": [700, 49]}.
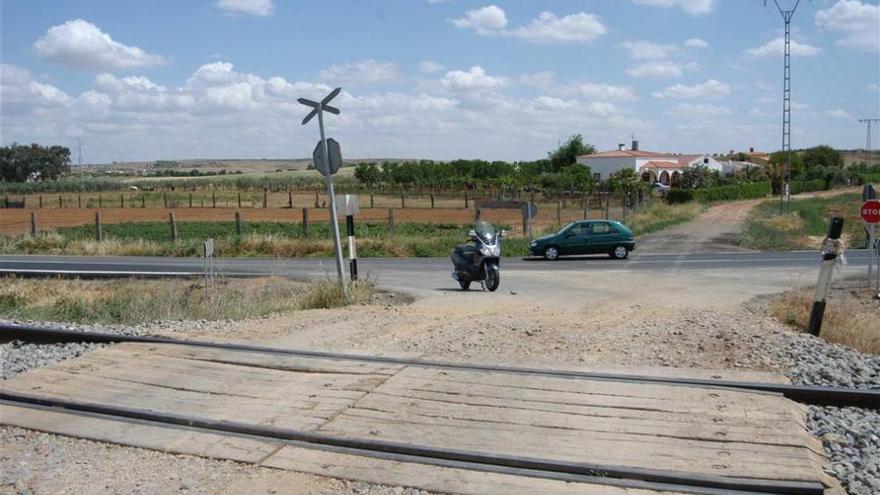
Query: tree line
{"type": "Point", "coordinates": [20, 163]}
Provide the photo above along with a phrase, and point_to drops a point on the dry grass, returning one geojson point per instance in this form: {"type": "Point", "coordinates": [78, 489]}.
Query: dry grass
{"type": "Point", "coordinates": [136, 301]}
{"type": "Point", "coordinates": [850, 317]}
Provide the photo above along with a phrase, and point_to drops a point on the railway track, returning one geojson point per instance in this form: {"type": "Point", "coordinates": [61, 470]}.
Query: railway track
{"type": "Point", "coordinates": [814, 395]}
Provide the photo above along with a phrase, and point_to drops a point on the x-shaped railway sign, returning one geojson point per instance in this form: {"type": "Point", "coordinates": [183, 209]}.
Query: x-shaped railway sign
{"type": "Point", "coordinates": [318, 107]}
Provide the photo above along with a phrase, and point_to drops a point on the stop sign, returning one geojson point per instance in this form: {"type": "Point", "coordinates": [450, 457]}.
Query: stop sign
{"type": "Point", "coordinates": [870, 211]}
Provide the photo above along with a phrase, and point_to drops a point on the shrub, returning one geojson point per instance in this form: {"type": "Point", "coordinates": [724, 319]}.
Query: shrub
{"type": "Point", "coordinates": [674, 196]}
{"type": "Point", "coordinates": [801, 186]}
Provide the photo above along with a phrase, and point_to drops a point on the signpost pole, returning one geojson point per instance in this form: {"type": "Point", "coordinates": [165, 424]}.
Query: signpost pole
{"type": "Point", "coordinates": [331, 198]}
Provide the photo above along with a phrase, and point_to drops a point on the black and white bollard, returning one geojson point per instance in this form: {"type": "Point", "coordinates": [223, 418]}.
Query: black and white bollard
{"type": "Point", "coordinates": [831, 249]}
{"type": "Point", "coordinates": [352, 251]}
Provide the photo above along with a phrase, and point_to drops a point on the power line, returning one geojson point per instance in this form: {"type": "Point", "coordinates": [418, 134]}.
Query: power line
{"type": "Point", "coordinates": [868, 153]}
{"type": "Point", "coordinates": [786, 103]}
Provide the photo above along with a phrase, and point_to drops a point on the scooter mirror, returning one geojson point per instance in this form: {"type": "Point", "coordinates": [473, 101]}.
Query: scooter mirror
{"type": "Point", "coordinates": [472, 233]}
{"type": "Point", "coordinates": [504, 233]}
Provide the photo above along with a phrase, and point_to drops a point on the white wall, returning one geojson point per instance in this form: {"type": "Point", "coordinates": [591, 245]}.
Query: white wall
{"type": "Point", "coordinates": [712, 165]}
{"type": "Point", "coordinates": [606, 166]}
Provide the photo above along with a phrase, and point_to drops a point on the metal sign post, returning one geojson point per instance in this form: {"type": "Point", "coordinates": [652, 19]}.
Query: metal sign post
{"type": "Point", "coordinates": [831, 249]}
{"type": "Point", "coordinates": [348, 204]}
{"type": "Point", "coordinates": [323, 162]}
{"type": "Point", "coordinates": [870, 214]}
{"type": "Point", "coordinates": [209, 267]}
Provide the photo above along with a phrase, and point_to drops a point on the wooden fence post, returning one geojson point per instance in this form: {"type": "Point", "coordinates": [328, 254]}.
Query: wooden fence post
{"type": "Point", "coordinates": [173, 224]}
{"type": "Point", "coordinates": [79, 200]}
{"type": "Point", "coordinates": [305, 222]}
{"type": "Point", "coordinates": [122, 201]}
{"type": "Point", "coordinates": [402, 200]}
{"type": "Point", "coordinates": [558, 212]}
{"type": "Point", "coordinates": [190, 200]}
{"type": "Point", "coordinates": [41, 201]}
{"type": "Point", "coordinates": [390, 221]}
{"type": "Point", "coordinates": [143, 200]}
{"type": "Point", "coordinates": [99, 232]}
{"type": "Point", "coordinates": [290, 199]}
{"type": "Point", "coordinates": [239, 200]}
{"type": "Point", "coordinates": [432, 200]}
{"type": "Point", "coordinates": [33, 224]}
{"type": "Point", "coordinates": [586, 207]}
{"type": "Point", "coordinates": [165, 198]}
{"type": "Point", "coordinates": [100, 201]}
{"type": "Point", "coordinates": [60, 201]}
{"type": "Point", "coordinates": [371, 198]}
{"type": "Point", "coordinates": [465, 201]}
{"type": "Point", "coordinates": [265, 199]}
{"type": "Point", "coordinates": [213, 199]}
{"type": "Point", "coordinates": [237, 223]}
{"type": "Point", "coordinates": [317, 204]}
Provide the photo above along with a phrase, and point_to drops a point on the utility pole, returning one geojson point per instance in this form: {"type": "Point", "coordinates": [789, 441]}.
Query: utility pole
{"type": "Point", "coordinates": [868, 154]}
{"type": "Point", "coordinates": [785, 173]}
{"type": "Point", "coordinates": [79, 144]}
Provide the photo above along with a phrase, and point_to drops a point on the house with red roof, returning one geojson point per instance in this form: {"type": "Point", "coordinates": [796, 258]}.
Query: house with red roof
{"type": "Point", "coordinates": [665, 168]}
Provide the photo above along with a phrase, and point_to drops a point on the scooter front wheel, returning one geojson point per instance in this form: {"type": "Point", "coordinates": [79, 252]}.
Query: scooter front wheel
{"type": "Point", "coordinates": [493, 276]}
{"type": "Point", "coordinates": [464, 284]}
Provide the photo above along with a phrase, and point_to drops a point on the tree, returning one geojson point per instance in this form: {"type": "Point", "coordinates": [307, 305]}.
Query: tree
{"type": "Point", "coordinates": [624, 181]}
{"type": "Point", "coordinates": [566, 154]}
{"type": "Point", "coordinates": [775, 170]}
{"type": "Point", "coordinates": [368, 173]}
{"type": "Point", "coordinates": [823, 162]}
{"type": "Point", "coordinates": [19, 163]}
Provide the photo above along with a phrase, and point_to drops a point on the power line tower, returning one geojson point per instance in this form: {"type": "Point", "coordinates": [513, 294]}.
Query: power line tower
{"type": "Point", "coordinates": [868, 153]}
{"type": "Point", "coordinates": [785, 174]}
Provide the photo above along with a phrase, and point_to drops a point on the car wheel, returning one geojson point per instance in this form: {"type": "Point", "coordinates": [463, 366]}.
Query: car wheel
{"type": "Point", "coordinates": [620, 253]}
{"type": "Point", "coordinates": [551, 253]}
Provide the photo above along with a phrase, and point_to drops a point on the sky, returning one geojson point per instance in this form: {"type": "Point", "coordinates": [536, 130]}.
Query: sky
{"type": "Point", "coordinates": [432, 79]}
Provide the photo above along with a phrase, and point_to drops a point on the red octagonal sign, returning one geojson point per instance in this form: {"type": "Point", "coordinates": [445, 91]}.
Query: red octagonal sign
{"type": "Point", "coordinates": [870, 211]}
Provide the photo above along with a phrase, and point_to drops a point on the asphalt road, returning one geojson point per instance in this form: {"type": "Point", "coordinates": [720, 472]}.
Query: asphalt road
{"type": "Point", "coordinates": [422, 273]}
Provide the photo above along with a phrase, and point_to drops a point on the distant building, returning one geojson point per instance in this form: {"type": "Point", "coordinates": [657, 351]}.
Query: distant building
{"type": "Point", "coordinates": [665, 168]}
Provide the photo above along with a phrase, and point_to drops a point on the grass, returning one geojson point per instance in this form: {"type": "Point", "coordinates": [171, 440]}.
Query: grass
{"type": "Point", "coordinates": [137, 301]}
{"type": "Point", "coordinates": [804, 225]}
{"type": "Point", "coordinates": [287, 240]}
{"type": "Point", "coordinates": [850, 317]}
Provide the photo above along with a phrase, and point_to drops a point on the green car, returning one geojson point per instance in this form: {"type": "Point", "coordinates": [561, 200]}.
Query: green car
{"type": "Point", "coordinates": [586, 237]}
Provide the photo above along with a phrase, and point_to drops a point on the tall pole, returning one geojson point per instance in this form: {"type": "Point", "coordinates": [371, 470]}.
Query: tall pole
{"type": "Point", "coordinates": [868, 154]}
{"type": "Point", "coordinates": [785, 173]}
{"type": "Point", "coordinates": [79, 143]}
{"type": "Point", "coordinates": [337, 245]}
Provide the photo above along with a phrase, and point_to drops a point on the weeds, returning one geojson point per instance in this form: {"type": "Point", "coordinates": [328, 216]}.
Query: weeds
{"type": "Point", "coordinates": [137, 301]}
{"type": "Point", "coordinates": [849, 318]}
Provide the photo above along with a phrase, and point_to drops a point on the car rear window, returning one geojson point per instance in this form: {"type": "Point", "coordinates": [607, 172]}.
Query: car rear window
{"type": "Point", "coordinates": [601, 228]}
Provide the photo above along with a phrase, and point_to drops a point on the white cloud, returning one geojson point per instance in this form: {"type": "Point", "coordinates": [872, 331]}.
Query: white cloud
{"type": "Point", "coordinates": [249, 7]}
{"type": "Point", "coordinates": [707, 90]}
{"type": "Point", "coordinates": [873, 87]}
{"type": "Point", "coordinates": [696, 43]}
{"type": "Point", "coordinates": [22, 94]}
{"type": "Point", "coordinates": [660, 69]}
{"type": "Point", "coordinates": [542, 79]}
{"type": "Point", "coordinates": [776, 48]}
{"type": "Point", "coordinates": [574, 28]}
{"type": "Point", "coordinates": [364, 71]}
{"type": "Point", "coordinates": [648, 50]}
{"type": "Point", "coordinates": [757, 112]}
{"type": "Point", "coordinates": [606, 92]}
{"type": "Point", "coordinates": [699, 110]}
{"type": "Point", "coordinates": [474, 79]}
{"type": "Point", "coordinates": [430, 67]}
{"type": "Point", "coordinates": [546, 28]}
{"type": "Point", "coordinates": [487, 20]}
{"type": "Point", "coordinates": [765, 100]}
{"type": "Point", "coordinates": [858, 22]}
{"type": "Point", "coordinates": [693, 7]}
{"type": "Point", "coordinates": [80, 44]}
{"type": "Point", "coordinates": [839, 113]}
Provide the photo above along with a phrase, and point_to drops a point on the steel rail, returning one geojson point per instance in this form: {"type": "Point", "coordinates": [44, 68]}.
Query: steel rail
{"type": "Point", "coordinates": [622, 476]}
{"type": "Point", "coordinates": [808, 394]}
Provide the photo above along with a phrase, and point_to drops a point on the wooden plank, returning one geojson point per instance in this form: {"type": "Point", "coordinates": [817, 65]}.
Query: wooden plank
{"type": "Point", "coordinates": [696, 457]}
{"type": "Point", "coordinates": [696, 428]}
{"type": "Point", "coordinates": [432, 478]}
{"type": "Point", "coordinates": [135, 434]}
{"type": "Point", "coordinates": [656, 397]}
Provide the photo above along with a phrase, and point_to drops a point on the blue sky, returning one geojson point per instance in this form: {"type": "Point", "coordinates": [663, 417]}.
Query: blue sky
{"type": "Point", "coordinates": [437, 79]}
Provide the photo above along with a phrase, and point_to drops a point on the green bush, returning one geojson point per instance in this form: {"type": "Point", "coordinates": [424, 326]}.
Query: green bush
{"type": "Point", "coordinates": [801, 186]}
{"type": "Point", "coordinates": [674, 196]}
{"type": "Point", "coordinates": [738, 191]}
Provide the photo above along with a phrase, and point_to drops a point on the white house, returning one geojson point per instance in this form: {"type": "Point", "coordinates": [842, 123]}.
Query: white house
{"type": "Point", "coordinates": [653, 167]}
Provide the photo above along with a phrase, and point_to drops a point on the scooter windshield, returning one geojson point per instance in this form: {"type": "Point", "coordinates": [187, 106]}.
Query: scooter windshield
{"type": "Point", "coordinates": [486, 231]}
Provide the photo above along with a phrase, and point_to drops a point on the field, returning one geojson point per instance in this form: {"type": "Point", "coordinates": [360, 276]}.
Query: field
{"type": "Point", "coordinates": [804, 225]}
{"type": "Point", "coordinates": [418, 232]}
